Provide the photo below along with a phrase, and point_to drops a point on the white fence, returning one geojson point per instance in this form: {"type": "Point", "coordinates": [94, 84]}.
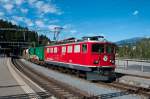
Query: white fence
{"type": "Point", "coordinates": [132, 64]}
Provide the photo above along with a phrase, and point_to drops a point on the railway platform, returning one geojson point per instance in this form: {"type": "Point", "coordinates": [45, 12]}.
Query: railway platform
{"type": "Point", "coordinates": [133, 77]}
{"type": "Point", "coordinates": [133, 72]}
{"type": "Point", "coordinates": [133, 67]}
{"type": "Point", "coordinates": [15, 85]}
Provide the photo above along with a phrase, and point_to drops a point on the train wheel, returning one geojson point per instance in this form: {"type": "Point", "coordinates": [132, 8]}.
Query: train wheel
{"type": "Point", "coordinates": [77, 73]}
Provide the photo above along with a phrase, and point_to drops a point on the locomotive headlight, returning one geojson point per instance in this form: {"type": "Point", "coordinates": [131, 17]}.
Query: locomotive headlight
{"type": "Point", "coordinates": [105, 58]}
{"type": "Point", "coordinates": [113, 61]}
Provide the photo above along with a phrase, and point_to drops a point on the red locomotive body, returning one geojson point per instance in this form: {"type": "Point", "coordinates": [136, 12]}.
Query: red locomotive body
{"type": "Point", "coordinates": [91, 56]}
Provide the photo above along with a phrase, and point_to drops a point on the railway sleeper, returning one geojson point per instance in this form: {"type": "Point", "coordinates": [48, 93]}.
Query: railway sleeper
{"type": "Point", "coordinates": [68, 95]}
{"type": "Point", "coordinates": [56, 88]}
{"type": "Point", "coordinates": [73, 97]}
{"type": "Point", "coordinates": [45, 84]}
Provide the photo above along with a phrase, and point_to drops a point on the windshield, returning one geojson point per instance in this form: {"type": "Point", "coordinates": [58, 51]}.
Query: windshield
{"type": "Point", "coordinates": [102, 48]}
{"type": "Point", "coordinates": [109, 49]}
{"type": "Point", "coordinates": [98, 48]}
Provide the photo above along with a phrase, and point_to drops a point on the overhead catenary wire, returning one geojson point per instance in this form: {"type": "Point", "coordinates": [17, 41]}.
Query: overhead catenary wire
{"type": "Point", "coordinates": [56, 31]}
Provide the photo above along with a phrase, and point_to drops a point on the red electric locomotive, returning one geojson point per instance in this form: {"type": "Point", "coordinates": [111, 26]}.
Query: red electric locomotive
{"type": "Point", "coordinates": [93, 56]}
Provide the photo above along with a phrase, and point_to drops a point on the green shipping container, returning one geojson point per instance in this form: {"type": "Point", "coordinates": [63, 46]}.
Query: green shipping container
{"type": "Point", "coordinates": [39, 52]}
{"type": "Point", "coordinates": [31, 51]}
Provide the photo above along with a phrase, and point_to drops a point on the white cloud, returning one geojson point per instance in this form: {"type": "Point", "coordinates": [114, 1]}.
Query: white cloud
{"type": "Point", "coordinates": [1, 14]}
{"type": "Point", "coordinates": [18, 18]}
{"type": "Point", "coordinates": [39, 4]}
{"type": "Point", "coordinates": [44, 6]}
{"type": "Point", "coordinates": [14, 22]}
{"type": "Point", "coordinates": [4, 1]}
{"type": "Point", "coordinates": [67, 26]}
{"type": "Point", "coordinates": [47, 8]}
{"type": "Point", "coordinates": [39, 23]}
{"type": "Point", "coordinates": [136, 12]}
{"type": "Point", "coordinates": [8, 7]}
{"type": "Point", "coordinates": [31, 1]}
{"type": "Point", "coordinates": [39, 8]}
{"type": "Point", "coordinates": [28, 22]}
{"type": "Point", "coordinates": [19, 2]}
{"type": "Point", "coordinates": [73, 31]}
{"type": "Point", "coordinates": [51, 27]}
{"type": "Point", "coordinates": [24, 10]}
{"type": "Point", "coordinates": [53, 21]}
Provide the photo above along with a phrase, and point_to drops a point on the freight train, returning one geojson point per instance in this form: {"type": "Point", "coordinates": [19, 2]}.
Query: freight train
{"type": "Point", "coordinates": [92, 56]}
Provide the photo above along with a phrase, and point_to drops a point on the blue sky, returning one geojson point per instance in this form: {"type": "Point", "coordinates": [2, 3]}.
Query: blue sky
{"type": "Point", "coordinates": [114, 19]}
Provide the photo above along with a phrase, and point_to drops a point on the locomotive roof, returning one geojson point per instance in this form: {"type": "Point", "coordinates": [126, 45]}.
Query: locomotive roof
{"type": "Point", "coordinates": [79, 42]}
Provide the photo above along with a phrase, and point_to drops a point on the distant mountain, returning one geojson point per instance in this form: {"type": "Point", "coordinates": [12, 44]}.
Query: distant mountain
{"type": "Point", "coordinates": [131, 41]}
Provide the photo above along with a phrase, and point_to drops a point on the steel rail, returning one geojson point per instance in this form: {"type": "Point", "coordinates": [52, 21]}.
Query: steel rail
{"type": "Point", "coordinates": [127, 89]}
{"type": "Point", "coordinates": [56, 88]}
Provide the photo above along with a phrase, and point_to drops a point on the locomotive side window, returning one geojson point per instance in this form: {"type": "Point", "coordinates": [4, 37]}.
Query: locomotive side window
{"type": "Point", "coordinates": [55, 50]}
{"type": "Point", "coordinates": [98, 48]}
{"type": "Point", "coordinates": [63, 49]}
{"type": "Point", "coordinates": [51, 50]}
{"type": "Point", "coordinates": [84, 48]}
{"type": "Point", "coordinates": [69, 50]}
{"type": "Point", "coordinates": [77, 48]}
{"type": "Point", "coordinates": [48, 50]}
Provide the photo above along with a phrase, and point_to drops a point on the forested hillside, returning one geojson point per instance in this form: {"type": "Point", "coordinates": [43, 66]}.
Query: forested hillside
{"type": "Point", "coordinates": [140, 50]}
{"type": "Point", "coordinates": [131, 41]}
{"type": "Point", "coordinates": [21, 34]}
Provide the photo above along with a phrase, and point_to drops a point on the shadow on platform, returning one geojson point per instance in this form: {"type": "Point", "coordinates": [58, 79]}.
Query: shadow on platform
{"type": "Point", "coordinates": [112, 95]}
{"type": "Point", "coordinates": [119, 75]}
{"type": "Point", "coordinates": [38, 95]}
{"type": "Point", "coordinates": [11, 86]}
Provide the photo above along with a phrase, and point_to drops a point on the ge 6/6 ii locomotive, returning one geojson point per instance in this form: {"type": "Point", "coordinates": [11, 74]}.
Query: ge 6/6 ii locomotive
{"type": "Point", "coordinates": [92, 56]}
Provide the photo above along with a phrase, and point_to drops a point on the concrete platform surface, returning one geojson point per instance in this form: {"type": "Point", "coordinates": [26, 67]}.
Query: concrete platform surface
{"type": "Point", "coordinates": [134, 77]}
{"type": "Point", "coordinates": [15, 85]}
{"type": "Point", "coordinates": [132, 72]}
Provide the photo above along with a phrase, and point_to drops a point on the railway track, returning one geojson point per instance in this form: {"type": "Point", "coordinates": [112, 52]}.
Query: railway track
{"type": "Point", "coordinates": [133, 75]}
{"type": "Point", "coordinates": [127, 88]}
{"type": "Point", "coordinates": [145, 77]}
{"type": "Point", "coordinates": [132, 89]}
{"type": "Point", "coordinates": [54, 87]}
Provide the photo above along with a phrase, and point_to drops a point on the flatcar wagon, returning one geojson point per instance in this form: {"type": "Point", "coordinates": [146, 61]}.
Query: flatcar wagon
{"type": "Point", "coordinates": [93, 56]}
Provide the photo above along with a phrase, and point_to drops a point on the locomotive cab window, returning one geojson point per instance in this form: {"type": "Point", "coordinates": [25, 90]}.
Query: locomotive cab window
{"type": "Point", "coordinates": [109, 49]}
{"type": "Point", "coordinates": [98, 48]}
{"type": "Point", "coordinates": [84, 48]}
